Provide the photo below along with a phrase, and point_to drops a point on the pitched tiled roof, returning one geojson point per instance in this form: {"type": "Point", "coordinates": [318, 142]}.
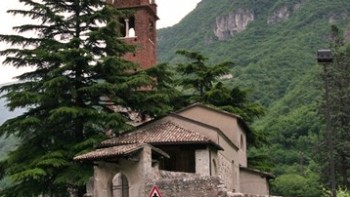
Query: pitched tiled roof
{"type": "Point", "coordinates": [116, 151]}
{"type": "Point", "coordinates": [109, 152]}
{"type": "Point", "coordinates": [261, 173]}
{"type": "Point", "coordinates": [160, 134]}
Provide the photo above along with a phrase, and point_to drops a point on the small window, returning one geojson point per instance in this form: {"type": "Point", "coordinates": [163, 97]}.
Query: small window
{"type": "Point", "coordinates": [242, 142]}
{"type": "Point", "coordinates": [127, 27]}
{"type": "Point", "coordinates": [215, 168]}
{"type": "Point", "coordinates": [150, 26]}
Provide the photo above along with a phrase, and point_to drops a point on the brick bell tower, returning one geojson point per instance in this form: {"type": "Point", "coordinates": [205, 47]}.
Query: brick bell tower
{"type": "Point", "coordinates": [139, 29]}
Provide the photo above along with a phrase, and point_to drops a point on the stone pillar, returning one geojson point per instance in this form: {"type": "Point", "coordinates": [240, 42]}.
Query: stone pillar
{"type": "Point", "coordinates": [146, 161]}
{"type": "Point", "coordinates": [103, 176]}
{"type": "Point", "coordinates": [90, 187]}
{"type": "Point", "coordinates": [203, 162]}
{"type": "Point", "coordinates": [126, 27]}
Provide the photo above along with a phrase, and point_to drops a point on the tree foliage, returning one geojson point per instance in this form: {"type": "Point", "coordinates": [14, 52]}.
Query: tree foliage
{"type": "Point", "coordinates": [338, 81]}
{"type": "Point", "coordinates": [78, 70]}
{"type": "Point", "coordinates": [278, 61]}
{"type": "Point", "coordinates": [297, 185]}
{"type": "Point", "coordinates": [204, 83]}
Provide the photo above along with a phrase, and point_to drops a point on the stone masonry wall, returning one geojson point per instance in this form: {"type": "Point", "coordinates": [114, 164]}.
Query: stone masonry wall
{"type": "Point", "coordinates": [174, 184]}
{"type": "Point", "coordinates": [227, 173]}
{"type": "Point", "coordinates": [189, 187]}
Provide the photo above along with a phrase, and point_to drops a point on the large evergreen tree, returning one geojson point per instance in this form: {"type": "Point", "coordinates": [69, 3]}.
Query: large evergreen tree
{"type": "Point", "coordinates": [78, 71]}
{"type": "Point", "coordinates": [201, 82]}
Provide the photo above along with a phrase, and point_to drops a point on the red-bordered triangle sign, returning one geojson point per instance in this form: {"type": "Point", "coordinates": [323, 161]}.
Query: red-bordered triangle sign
{"type": "Point", "coordinates": [155, 192]}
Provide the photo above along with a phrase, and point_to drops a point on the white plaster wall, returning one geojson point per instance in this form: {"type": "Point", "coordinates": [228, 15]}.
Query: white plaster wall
{"type": "Point", "coordinates": [228, 124]}
{"type": "Point", "coordinates": [253, 183]}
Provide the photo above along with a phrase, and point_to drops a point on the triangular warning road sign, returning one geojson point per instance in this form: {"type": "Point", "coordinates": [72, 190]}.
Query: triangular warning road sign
{"type": "Point", "coordinates": [155, 192]}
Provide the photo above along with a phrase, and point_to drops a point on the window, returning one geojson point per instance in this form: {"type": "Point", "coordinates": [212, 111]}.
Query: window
{"type": "Point", "coordinates": [127, 27]}
{"type": "Point", "coordinates": [242, 142]}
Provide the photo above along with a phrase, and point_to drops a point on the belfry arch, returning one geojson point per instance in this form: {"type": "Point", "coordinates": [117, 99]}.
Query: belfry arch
{"type": "Point", "coordinates": [137, 27]}
{"type": "Point", "coordinates": [127, 27]}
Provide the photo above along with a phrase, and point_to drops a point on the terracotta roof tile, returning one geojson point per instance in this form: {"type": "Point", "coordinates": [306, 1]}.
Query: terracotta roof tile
{"type": "Point", "coordinates": [109, 152]}
{"type": "Point", "coordinates": [165, 133]}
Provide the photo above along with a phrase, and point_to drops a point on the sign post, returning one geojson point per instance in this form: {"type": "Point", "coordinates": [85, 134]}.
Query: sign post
{"type": "Point", "coordinates": [155, 192]}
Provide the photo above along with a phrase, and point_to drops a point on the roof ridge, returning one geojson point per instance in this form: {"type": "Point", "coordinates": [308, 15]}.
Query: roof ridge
{"type": "Point", "coordinates": [167, 132]}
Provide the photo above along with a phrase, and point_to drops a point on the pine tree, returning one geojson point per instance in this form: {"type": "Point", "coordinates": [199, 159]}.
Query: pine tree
{"type": "Point", "coordinates": [202, 83]}
{"type": "Point", "coordinates": [78, 71]}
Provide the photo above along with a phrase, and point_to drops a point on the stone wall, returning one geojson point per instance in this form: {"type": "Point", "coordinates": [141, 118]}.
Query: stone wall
{"type": "Point", "coordinates": [188, 186]}
{"type": "Point", "coordinates": [174, 184]}
{"type": "Point", "coordinates": [227, 173]}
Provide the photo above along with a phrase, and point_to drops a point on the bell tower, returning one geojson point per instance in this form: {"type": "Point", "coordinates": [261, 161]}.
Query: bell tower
{"type": "Point", "coordinates": [139, 29]}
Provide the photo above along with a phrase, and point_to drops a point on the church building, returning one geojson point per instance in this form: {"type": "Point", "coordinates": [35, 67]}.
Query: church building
{"type": "Point", "coordinates": [198, 150]}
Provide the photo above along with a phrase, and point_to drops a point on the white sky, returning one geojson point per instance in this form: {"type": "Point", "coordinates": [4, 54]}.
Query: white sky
{"type": "Point", "coordinates": [170, 12]}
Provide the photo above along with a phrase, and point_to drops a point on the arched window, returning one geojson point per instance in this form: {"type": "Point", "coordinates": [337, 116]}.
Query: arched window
{"type": "Point", "coordinates": [120, 185]}
{"type": "Point", "coordinates": [132, 32]}
{"type": "Point", "coordinates": [127, 24]}
{"type": "Point", "coordinates": [215, 168]}
{"type": "Point", "coordinates": [242, 142]}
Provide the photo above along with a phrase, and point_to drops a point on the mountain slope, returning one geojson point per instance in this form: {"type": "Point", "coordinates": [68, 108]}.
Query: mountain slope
{"type": "Point", "coordinates": [274, 44]}
{"type": "Point", "coordinates": [276, 55]}
{"type": "Point", "coordinates": [7, 144]}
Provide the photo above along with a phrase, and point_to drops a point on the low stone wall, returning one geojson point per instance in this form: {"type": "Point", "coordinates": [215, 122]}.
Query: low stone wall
{"type": "Point", "coordinates": [174, 184]}
{"type": "Point", "coordinates": [189, 187]}
{"type": "Point", "coordinates": [246, 195]}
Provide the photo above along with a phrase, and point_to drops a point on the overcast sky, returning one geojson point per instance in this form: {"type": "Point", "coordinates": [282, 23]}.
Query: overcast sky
{"type": "Point", "coordinates": [170, 12]}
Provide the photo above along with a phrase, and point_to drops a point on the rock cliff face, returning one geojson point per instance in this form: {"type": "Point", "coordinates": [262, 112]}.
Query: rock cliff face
{"type": "Point", "coordinates": [228, 25]}
{"type": "Point", "coordinates": [336, 17]}
{"type": "Point", "coordinates": [279, 15]}
{"type": "Point", "coordinates": [282, 14]}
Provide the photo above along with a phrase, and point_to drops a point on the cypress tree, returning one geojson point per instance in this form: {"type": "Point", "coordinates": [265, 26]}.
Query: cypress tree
{"type": "Point", "coordinates": [78, 71]}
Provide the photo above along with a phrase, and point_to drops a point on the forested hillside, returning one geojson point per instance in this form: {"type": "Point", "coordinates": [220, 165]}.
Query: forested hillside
{"type": "Point", "coordinates": [6, 144]}
{"type": "Point", "coordinates": [273, 44]}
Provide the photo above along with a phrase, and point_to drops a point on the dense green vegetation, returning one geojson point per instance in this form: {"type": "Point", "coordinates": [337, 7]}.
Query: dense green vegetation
{"type": "Point", "coordinates": [200, 82]}
{"type": "Point", "coordinates": [276, 62]}
{"type": "Point", "coordinates": [78, 68]}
